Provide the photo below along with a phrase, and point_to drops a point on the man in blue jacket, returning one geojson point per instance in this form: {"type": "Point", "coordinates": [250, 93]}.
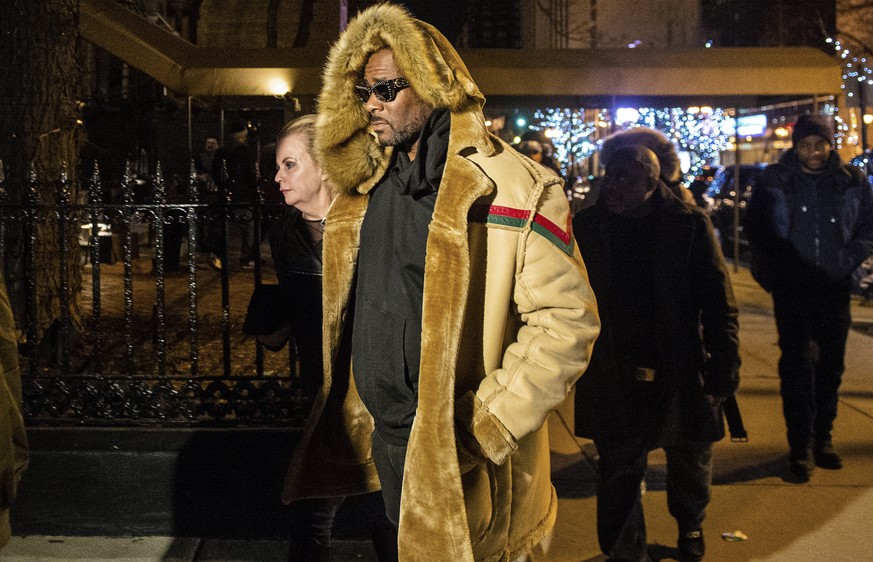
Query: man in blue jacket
{"type": "Point", "coordinates": [810, 224]}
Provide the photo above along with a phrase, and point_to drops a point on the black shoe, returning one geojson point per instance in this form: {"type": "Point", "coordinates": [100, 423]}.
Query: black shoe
{"type": "Point", "coordinates": [691, 545]}
{"type": "Point", "coordinates": [826, 457]}
{"type": "Point", "coordinates": [800, 470]}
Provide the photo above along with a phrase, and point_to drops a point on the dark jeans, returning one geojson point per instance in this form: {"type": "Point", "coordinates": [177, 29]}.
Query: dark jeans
{"type": "Point", "coordinates": [389, 459]}
{"type": "Point", "coordinates": [813, 325]}
{"type": "Point", "coordinates": [311, 523]}
{"type": "Point", "coordinates": [621, 526]}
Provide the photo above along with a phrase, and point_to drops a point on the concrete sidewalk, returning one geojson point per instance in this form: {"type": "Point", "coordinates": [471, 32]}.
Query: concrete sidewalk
{"type": "Point", "coordinates": [827, 519]}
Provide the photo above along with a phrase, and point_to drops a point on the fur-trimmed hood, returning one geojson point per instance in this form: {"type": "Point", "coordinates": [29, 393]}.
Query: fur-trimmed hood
{"type": "Point", "coordinates": [348, 151]}
{"type": "Point", "coordinates": [654, 140]}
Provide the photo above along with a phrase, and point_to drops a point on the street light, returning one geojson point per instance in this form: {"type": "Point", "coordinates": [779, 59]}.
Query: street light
{"type": "Point", "coordinates": [278, 87]}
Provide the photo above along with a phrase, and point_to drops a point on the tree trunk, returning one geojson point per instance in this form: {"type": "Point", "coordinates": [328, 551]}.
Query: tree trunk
{"type": "Point", "coordinates": [304, 24]}
{"type": "Point", "coordinates": [41, 130]}
{"type": "Point", "coordinates": [272, 23]}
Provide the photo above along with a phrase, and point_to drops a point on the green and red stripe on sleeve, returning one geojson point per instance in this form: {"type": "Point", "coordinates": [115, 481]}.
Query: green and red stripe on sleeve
{"type": "Point", "coordinates": [518, 218]}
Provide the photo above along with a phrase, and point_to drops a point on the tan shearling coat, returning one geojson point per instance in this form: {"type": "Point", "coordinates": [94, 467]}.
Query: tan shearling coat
{"type": "Point", "coordinates": [508, 315]}
{"type": "Point", "coordinates": [13, 439]}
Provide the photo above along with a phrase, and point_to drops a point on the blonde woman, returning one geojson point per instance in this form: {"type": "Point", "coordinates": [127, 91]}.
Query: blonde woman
{"type": "Point", "coordinates": [295, 244]}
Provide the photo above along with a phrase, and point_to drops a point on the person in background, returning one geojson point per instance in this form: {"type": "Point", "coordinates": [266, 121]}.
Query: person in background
{"type": "Point", "coordinates": [207, 193]}
{"type": "Point", "coordinates": [235, 171]}
{"type": "Point", "coordinates": [203, 164]}
{"type": "Point", "coordinates": [532, 149]}
{"type": "Point", "coordinates": [295, 243]}
{"type": "Point", "coordinates": [547, 150]}
{"type": "Point", "coordinates": [667, 355]}
{"type": "Point", "coordinates": [457, 309]}
{"type": "Point", "coordinates": [810, 225]}
{"type": "Point", "coordinates": [13, 439]}
{"type": "Point", "coordinates": [654, 140]}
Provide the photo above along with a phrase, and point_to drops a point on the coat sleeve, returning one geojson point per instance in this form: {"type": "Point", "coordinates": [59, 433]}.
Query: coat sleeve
{"type": "Point", "coordinates": [768, 224]}
{"type": "Point", "coordinates": [13, 439]}
{"type": "Point", "coordinates": [552, 347]}
{"type": "Point", "coordinates": [714, 293]}
{"type": "Point", "coordinates": [860, 247]}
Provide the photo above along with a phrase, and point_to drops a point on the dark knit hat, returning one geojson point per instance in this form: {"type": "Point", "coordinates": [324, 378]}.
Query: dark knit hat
{"type": "Point", "coordinates": [812, 125]}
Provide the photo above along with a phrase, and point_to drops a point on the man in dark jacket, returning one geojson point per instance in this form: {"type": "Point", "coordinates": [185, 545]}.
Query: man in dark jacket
{"type": "Point", "coordinates": [810, 224]}
{"type": "Point", "coordinates": [656, 379]}
{"type": "Point", "coordinates": [235, 172]}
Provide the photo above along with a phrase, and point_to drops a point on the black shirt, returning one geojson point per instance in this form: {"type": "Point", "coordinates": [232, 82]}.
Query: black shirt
{"type": "Point", "coordinates": [632, 277]}
{"type": "Point", "coordinates": [386, 334]}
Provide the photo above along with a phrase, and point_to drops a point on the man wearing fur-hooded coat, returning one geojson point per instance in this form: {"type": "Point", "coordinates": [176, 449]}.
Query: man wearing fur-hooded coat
{"type": "Point", "coordinates": [508, 317]}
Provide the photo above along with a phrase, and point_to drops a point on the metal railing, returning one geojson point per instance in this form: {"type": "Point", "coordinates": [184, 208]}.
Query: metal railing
{"type": "Point", "coordinates": [141, 344]}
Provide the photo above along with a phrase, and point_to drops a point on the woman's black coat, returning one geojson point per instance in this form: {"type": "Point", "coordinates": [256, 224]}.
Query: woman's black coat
{"type": "Point", "coordinates": [696, 319]}
{"type": "Point", "coordinates": [298, 266]}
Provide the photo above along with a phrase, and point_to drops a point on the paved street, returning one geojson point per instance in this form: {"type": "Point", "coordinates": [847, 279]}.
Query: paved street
{"type": "Point", "coordinates": [827, 519]}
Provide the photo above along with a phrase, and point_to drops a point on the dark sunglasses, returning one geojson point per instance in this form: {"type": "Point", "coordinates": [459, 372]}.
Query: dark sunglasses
{"type": "Point", "coordinates": [384, 90]}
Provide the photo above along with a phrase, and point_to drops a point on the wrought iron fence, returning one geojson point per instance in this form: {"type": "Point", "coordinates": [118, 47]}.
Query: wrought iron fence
{"type": "Point", "coordinates": [148, 344]}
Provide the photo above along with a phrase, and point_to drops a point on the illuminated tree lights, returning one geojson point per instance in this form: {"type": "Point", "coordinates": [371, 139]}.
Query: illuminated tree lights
{"type": "Point", "coordinates": [701, 132]}
{"type": "Point", "coordinates": [573, 134]}
{"type": "Point", "coordinates": [855, 69]}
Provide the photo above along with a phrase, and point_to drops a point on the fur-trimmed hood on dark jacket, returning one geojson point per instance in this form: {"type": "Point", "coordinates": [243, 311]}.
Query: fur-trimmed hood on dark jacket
{"type": "Point", "coordinates": [657, 142]}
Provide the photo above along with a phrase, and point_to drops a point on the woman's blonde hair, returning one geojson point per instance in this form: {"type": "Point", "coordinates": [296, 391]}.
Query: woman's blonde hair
{"type": "Point", "coordinates": [304, 126]}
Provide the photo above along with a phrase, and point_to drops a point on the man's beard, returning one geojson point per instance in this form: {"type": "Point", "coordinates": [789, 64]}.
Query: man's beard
{"type": "Point", "coordinates": [406, 136]}
{"type": "Point", "coordinates": [814, 164]}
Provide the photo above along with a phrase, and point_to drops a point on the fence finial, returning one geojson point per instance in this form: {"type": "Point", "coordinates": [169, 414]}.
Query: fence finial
{"type": "Point", "coordinates": [127, 183]}
{"type": "Point", "coordinates": [32, 185]}
{"type": "Point", "coordinates": [64, 185]}
{"type": "Point", "coordinates": [159, 186]}
{"type": "Point", "coordinates": [95, 193]}
{"type": "Point", "coordinates": [192, 184]}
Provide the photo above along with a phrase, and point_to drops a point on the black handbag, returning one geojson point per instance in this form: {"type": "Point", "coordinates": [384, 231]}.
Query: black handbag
{"type": "Point", "coordinates": [267, 310]}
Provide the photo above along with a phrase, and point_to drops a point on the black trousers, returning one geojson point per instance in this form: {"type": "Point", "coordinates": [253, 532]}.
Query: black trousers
{"type": "Point", "coordinates": [389, 459]}
{"type": "Point", "coordinates": [813, 324]}
{"type": "Point", "coordinates": [312, 522]}
{"type": "Point", "coordinates": [621, 526]}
